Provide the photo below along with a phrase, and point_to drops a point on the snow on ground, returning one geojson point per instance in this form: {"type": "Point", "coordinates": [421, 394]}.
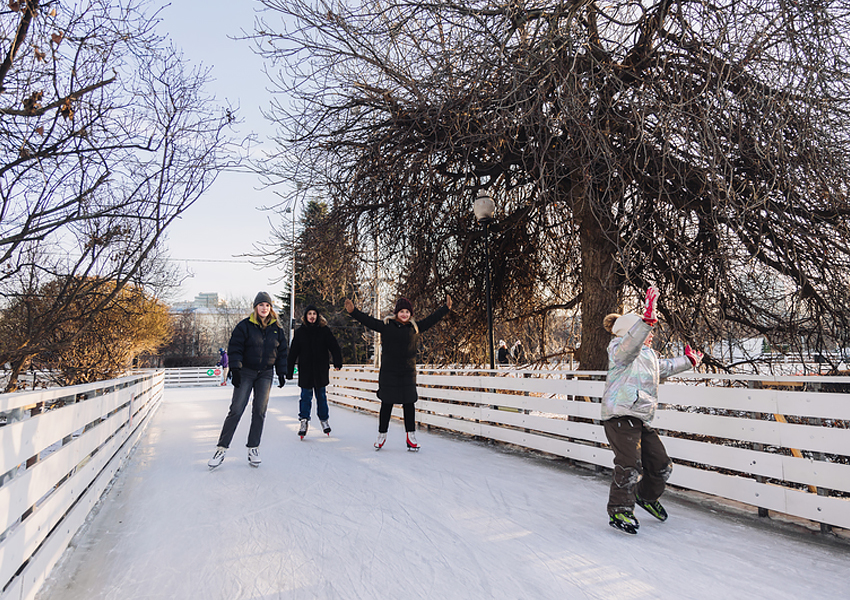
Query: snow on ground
{"type": "Point", "coordinates": [331, 518]}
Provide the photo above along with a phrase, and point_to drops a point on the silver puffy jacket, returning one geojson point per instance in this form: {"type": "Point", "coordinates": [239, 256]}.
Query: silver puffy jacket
{"type": "Point", "coordinates": [634, 371]}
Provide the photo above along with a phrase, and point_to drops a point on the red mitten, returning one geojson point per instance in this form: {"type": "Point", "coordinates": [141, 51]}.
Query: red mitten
{"type": "Point", "coordinates": [695, 356]}
{"type": "Point", "coordinates": [650, 315]}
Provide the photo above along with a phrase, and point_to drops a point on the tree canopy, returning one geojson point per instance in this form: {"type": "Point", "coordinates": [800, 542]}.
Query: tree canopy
{"type": "Point", "coordinates": [698, 147]}
{"type": "Point", "coordinates": [106, 137]}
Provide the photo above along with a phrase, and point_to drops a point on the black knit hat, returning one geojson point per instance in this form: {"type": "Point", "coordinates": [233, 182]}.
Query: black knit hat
{"type": "Point", "coordinates": [311, 307]}
{"type": "Point", "coordinates": [262, 297]}
{"type": "Point", "coordinates": [402, 304]}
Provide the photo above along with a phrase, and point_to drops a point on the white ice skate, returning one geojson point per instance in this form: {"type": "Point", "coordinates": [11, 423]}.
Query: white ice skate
{"type": "Point", "coordinates": [218, 457]}
{"type": "Point", "coordinates": [382, 439]}
{"type": "Point", "coordinates": [254, 457]}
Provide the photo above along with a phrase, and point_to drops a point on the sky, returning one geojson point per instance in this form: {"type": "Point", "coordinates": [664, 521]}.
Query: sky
{"type": "Point", "coordinates": [209, 241]}
{"type": "Point", "coordinates": [330, 518]}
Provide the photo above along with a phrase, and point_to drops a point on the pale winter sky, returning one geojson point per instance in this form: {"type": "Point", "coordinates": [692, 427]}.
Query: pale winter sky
{"type": "Point", "coordinates": [227, 221]}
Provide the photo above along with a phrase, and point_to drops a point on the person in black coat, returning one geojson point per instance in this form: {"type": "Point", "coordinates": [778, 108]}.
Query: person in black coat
{"type": "Point", "coordinates": [257, 350]}
{"type": "Point", "coordinates": [397, 377]}
{"type": "Point", "coordinates": [502, 355]}
{"type": "Point", "coordinates": [312, 347]}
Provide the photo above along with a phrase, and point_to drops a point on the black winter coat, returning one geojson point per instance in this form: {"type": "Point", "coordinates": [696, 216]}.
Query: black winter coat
{"type": "Point", "coordinates": [312, 347]}
{"type": "Point", "coordinates": [399, 344]}
{"type": "Point", "coordinates": [254, 347]}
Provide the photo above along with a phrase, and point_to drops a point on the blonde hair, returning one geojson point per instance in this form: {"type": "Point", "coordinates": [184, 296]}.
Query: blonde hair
{"type": "Point", "coordinates": [609, 320]}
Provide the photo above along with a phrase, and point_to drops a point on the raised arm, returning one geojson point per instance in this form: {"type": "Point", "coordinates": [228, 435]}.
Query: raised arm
{"type": "Point", "coordinates": [363, 318]}
{"type": "Point", "coordinates": [435, 316]}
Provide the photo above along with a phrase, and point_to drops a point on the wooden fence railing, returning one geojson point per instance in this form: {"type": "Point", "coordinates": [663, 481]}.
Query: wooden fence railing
{"type": "Point", "coordinates": [777, 443]}
{"type": "Point", "coordinates": [59, 449]}
{"type": "Point", "coordinates": [193, 377]}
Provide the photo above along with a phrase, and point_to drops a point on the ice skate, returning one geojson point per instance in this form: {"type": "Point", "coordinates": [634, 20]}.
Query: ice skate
{"type": "Point", "coordinates": [218, 457]}
{"type": "Point", "coordinates": [625, 521]}
{"type": "Point", "coordinates": [326, 428]}
{"type": "Point", "coordinates": [653, 508]}
{"type": "Point", "coordinates": [412, 446]}
{"type": "Point", "coordinates": [382, 439]}
{"type": "Point", "coordinates": [302, 431]}
{"type": "Point", "coordinates": [254, 457]}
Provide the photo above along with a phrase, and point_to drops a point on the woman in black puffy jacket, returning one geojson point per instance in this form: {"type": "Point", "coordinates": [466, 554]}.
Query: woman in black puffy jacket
{"type": "Point", "coordinates": [257, 350]}
{"type": "Point", "coordinates": [397, 377]}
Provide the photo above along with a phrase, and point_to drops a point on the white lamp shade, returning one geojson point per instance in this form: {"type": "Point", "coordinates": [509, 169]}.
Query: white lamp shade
{"type": "Point", "coordinates": [484, 208]}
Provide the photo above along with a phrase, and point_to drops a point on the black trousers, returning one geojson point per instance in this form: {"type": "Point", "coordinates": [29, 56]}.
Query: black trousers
{"type": "Point", "coordinates": [387, 412]}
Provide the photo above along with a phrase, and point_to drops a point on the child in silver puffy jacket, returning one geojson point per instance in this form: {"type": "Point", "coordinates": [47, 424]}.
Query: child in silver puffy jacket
{"type": "Point", "coordinates": [641, 464]}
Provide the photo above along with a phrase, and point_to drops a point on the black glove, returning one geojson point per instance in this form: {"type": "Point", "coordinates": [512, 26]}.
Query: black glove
{"type": "Point", "coordinates": [280, 380]}
{"type": "Point", "coordinates": [236, 376]}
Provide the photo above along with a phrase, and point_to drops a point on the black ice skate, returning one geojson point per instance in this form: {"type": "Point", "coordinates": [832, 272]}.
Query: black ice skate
{"type": "Point", "coordinates": [653, 508]}
{"type": "Point", "coordinates": [302, 431]}
{"type": "Point", "coordinates": [326, 428]}
{"type": "Point", "coordinates": [625, 521]}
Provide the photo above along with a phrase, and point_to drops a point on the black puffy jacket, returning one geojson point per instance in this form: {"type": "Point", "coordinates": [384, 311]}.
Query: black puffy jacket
{"type": "Point", "coordinates": [399, 345]}
{"type": "Point", "coordinates": [254, 347]}
{"type": "Point", "coordinates": [312, 347]}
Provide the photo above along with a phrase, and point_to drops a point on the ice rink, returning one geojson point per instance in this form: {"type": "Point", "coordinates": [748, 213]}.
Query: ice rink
{"type": "Point", "coordinates": [331, 518]}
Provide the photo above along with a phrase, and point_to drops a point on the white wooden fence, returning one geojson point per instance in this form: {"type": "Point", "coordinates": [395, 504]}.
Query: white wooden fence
{"type": "Point", "coordinates": [193, 377]}
{"type": "Point", "coordinates": [59, 450]}
{"type": "Point", "coordinates": [773, 443]}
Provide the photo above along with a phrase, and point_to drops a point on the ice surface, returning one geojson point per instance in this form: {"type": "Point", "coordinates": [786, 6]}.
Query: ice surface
{"type": "Point", "coordinates": [331, 518]}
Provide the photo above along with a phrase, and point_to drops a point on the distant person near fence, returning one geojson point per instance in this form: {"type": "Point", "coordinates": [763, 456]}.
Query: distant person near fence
{"type": "Point", "coordinates": [223, 363]}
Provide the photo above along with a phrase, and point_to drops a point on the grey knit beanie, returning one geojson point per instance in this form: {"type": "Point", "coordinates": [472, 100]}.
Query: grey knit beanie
{"type": "Point", "coordinates": [262, 297]}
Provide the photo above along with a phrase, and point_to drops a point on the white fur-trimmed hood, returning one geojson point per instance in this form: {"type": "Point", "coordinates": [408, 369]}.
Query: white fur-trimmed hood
{"type": "Point", "coordinates": [391, 317]}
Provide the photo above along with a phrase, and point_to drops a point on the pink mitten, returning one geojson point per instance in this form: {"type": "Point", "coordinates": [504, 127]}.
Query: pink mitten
{"type": "Point", "coordinates": [650, 315]}
{"type": "Point", "coordinates": [695, 356]}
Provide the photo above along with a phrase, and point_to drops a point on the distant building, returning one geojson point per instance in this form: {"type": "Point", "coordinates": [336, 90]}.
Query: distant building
{"type": "Point", "coordinates": [202, 300]}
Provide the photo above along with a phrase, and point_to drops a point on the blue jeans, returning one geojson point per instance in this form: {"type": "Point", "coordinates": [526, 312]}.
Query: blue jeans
{"type": "Point", "coordinates": [306, 405]}
{"type": "Point", "coordinates": [260, 382]}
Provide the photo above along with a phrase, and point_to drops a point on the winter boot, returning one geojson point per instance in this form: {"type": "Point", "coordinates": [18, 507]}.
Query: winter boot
{"type": "Point", "coordinates": [218, 457]}
{"type": "Point", "coordinates": [382, 439]}
{"type": "Point", "coordinates": [254, 457]}
{"type": "Point", "coordinates": [326, 428]}
{"type": "Point", "coordinates": [302, 431]}
{"type": "Point", "coordinates": [653, 508]}
{"type": "Point", "coordinates": [411, 441]}
{"type": "Point", "coordinates": [625, 521]}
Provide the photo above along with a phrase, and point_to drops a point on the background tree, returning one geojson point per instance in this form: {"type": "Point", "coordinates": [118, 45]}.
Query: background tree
{"type": "Point", "coordinates": [105, 139]}
{"type": "Point", "coordinates": [326, 270]}
{"type": "Point", "coordinates": [104, 344]}
{"type": "Point", "coordinates": [692, 146]}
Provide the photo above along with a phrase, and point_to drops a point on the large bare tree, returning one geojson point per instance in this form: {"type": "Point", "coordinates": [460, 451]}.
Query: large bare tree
{"type": "Point", "coordinates": [699, 147]}
{"type": "Point", "coordinates": [106, 137]}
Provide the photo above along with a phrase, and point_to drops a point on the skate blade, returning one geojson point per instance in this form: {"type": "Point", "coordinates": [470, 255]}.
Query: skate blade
{"type": "Point", "coordinates": [624, 528]}
{"type": "Point", "coordinates": [413, 449]}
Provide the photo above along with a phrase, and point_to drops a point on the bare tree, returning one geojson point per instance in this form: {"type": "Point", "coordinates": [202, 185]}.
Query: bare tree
{"type": "Point", "coordinates": [693, 146]}
{"type": "Point", "coordinates": [105, 139]}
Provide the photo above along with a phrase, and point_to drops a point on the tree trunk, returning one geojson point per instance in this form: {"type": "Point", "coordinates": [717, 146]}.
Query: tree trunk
{"type": "Point", "coordinates": [600, 284]}
{"type": "Point", "coordinates": [18, 365]}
